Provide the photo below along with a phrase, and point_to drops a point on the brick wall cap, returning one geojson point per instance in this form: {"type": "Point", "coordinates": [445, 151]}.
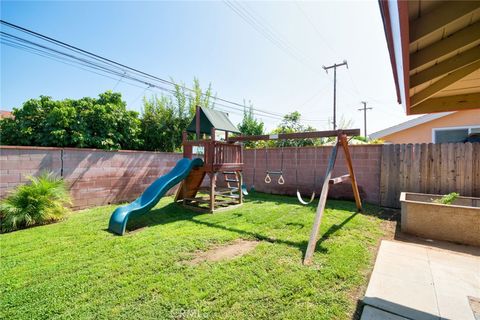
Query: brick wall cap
{"type": "Point", "coordinates": [317, 147]}
{"type": "Point", "coordinates": [84, 149]}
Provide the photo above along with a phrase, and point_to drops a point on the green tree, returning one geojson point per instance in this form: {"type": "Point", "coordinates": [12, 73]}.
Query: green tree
{"type": "Point", "coordinates": [292, 123]}
{"type": "Point", "coordinates": [102, 123]}
{"type": "Point", "coordinates": [250, 125]}
{"type": "Point", "coordinates": [164, 118]}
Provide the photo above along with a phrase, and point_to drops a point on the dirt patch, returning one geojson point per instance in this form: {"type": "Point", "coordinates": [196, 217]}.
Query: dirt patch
{"type": "Point", "coordinates": [232, 250]}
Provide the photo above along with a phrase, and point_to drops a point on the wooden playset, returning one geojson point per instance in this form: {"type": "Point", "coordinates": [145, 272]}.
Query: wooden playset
{"type": "Point", "coordinates": [226, 157]}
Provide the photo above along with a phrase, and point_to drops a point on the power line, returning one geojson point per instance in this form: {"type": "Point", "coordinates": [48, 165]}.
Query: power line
{"type": "Point", "coordinates": [315, 28]}
{"type": "Point", "coordinates": [269, 33]}
{"type": "Point", "coordinates": [118, 82]}
{"type": "Point", "coordinates": [123, 67]}
{"type": "Point", "coordinates": [57, 56]}
{"type": "Point", "coordinates": [108, 68]}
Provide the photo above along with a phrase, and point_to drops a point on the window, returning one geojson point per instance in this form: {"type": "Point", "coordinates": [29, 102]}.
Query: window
{"type": "Point", "coordinates": [454, 134]}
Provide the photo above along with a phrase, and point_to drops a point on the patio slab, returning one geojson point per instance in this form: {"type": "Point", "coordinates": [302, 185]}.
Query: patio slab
{"type": "Point", "coordinates": [424, 281]}
{"type": "Point", "coordinates": [370, 313]}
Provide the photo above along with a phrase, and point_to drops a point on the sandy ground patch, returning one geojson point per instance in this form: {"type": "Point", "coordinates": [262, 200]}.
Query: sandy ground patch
{"type": "Point", "coordinates": [232, 250]}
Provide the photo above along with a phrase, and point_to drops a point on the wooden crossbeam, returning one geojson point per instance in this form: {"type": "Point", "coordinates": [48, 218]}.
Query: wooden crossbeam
{"type": "Point", "coordinates": [297, 135]}
{"type": "Point", "coordinates": [443, 83]}
{"type": "Point", "coordinates": [340, 179]}
{"type": "Point", "coordinates": [444, 67]}
{"type": "Point", "coordinates": [446, 13]}
{"type": "Point", "coordinates": [458, 40]}
{"type": "Point", "coordinates": [449, 103]}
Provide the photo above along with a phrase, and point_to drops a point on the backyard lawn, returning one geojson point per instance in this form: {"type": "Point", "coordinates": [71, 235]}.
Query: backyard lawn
{"type": "Point", "coordinates": [77, 269]}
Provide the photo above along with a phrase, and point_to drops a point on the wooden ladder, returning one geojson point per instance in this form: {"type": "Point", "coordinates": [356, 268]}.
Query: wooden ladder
{"type": "Point", "coordinates": [229, 180]}
{"type": "Point", "coordinates": [343, 142]}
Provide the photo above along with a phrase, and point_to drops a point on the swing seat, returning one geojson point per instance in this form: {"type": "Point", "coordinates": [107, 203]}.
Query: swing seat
{"type": "Point", "coordinates": [300, 199]}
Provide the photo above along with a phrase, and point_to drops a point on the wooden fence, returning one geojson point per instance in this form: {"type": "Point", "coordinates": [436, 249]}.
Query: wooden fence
{"type": "Point", "coordinates": [429, 168]}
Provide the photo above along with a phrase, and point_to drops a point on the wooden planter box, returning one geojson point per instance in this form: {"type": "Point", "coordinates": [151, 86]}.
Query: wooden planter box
{"type": "Point", "coordinates": [458, 222]}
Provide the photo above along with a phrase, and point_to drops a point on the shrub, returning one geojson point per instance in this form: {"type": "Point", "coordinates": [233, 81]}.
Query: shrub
{"type": "Point", "coordinates": [448, 198]}
{"type": "Point", "coordinates": [41, 201]}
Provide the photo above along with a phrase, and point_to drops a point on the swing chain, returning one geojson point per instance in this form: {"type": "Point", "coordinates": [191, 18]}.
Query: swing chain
{"type": "Point", "coordinates": [281, 180]}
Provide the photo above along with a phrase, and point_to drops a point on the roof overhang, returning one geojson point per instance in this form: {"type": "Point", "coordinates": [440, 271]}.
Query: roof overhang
{"type": "Point", "coordinates": [434, 50]}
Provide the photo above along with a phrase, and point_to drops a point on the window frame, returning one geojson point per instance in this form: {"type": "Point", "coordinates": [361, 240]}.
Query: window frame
{"type": "Point", "coordinates": [469, 128]}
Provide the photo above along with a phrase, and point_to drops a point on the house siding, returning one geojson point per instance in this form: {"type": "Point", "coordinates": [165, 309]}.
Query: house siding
{"type": "Point", "coordinates": [422, 133]}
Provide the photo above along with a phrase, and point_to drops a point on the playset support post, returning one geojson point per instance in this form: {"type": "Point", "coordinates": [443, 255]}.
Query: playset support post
{"type": "Point", "coordinates": [312, 242]}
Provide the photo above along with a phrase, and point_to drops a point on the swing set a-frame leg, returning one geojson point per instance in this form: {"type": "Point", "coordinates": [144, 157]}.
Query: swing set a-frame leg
{"type": "Point", "coordinates": [312, 242]}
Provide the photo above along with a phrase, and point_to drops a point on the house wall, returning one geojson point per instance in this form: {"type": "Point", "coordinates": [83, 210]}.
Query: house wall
{"type": "Point", "coordinates": [422, 133]}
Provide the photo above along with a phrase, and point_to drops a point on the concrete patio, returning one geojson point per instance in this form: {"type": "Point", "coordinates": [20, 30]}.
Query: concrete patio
{"type": "Point", "coordinates": [424, 280]}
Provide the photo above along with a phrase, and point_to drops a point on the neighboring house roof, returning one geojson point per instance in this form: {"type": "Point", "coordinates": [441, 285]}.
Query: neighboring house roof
{"type": "Point", "coordinates": [409, 124]}
{"type": "Point", "coordinates": [5, 114]}
{"type": "Point", "coordinates": [210, 118]}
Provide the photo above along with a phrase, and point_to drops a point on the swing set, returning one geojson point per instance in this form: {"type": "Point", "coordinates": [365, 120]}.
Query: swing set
{"type": "Point", "coordinates": [226, 158]}
{"type": "Point", "coordinates": [341, 142]}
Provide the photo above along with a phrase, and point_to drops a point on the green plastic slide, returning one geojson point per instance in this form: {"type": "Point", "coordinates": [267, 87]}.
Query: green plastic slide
{"type": "Point", "coordinates": [151, 195]}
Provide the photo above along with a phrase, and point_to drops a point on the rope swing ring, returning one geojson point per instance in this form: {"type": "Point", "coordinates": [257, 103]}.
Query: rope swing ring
{"type": "Point", "coordinates": [268, 179]}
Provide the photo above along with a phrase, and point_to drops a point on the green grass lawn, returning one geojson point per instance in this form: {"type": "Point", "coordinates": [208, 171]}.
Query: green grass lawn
{"type": "Point", "coordinates": [77, 269]}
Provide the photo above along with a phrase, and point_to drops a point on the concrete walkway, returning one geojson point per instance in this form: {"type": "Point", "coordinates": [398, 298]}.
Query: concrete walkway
{"type": "Point", "coordinates": [423, 281]}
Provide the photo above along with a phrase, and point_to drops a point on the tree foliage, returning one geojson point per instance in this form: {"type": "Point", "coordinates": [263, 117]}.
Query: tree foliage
{"type": "Point", "coordinates": [250, 125]}
{"type": "Point", "coordinates": [164, 118]}
{"type": "Point", "coordinates": [105, 122]}
{"type": "Point", "coordinates": [102, 123]}
{"type": "Point", "coordinates": [292, 123]}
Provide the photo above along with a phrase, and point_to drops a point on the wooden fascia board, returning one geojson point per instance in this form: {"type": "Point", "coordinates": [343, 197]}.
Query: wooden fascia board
{"type": "Point", "coordinates": [405, 45]}
{"type": "Point", "coordinates": [384, 10]}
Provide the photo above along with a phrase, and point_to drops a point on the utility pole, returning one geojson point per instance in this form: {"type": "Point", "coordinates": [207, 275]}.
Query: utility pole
{"type": "Point", "coordinates": [334, 66]}
{"type": "Point", "coordinates": [364, 109]}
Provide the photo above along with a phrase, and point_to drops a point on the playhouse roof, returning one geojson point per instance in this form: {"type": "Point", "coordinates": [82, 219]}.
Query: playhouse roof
{"type": "Point", "coordinates": [210, 118]}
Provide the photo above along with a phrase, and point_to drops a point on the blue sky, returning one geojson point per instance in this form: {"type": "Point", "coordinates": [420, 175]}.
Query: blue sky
{"type": "Point", "coordinates": [180, 40]}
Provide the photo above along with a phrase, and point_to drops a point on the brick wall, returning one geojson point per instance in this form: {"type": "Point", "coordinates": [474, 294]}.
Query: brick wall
{"type": "Point", "coordinates": [98, 177]}
{"type": "Point", "coordinates": [366, 163]}
{"type": "Point", "coordinates": [95, 177]}
{"type": "Point", "coordinates": [18, 162]}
